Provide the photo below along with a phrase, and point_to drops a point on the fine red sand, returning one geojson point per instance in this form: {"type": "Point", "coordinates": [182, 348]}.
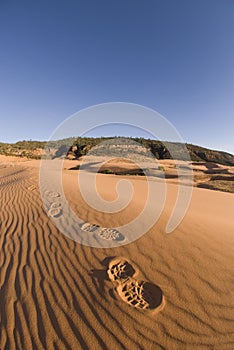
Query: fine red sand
{"type": "Point", "coordinates": [160, 292]}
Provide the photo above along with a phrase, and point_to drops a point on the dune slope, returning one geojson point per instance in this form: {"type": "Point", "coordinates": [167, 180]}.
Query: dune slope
{"type": "Point", "coordinates": [57, 294]}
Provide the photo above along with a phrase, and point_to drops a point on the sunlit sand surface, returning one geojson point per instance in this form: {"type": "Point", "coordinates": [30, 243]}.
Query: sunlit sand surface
{"type": "Point", "coordinates": [162, 291]}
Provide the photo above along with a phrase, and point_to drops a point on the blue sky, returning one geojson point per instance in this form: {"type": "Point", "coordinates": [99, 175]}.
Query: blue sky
{"type": "Point", "coordinates": [57, 57]}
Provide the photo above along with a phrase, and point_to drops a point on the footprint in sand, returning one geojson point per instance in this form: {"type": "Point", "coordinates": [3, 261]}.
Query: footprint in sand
{"type": "Point", "coordinates": [141, 294]}
{"type": "Point", "coordinates": [52, 194]}
{"type": "Point", "coordinates": [55, 212]}
{"type": "Point", "coordinates": [55, 209]}
{"type": "Point", "coordinates": [55, 205]}
{"type": "Point", "coordinates": [120, 270]}
{"type": "Point", "coordinates": [104, 233]}
{"type": "Point", "coordinates": [110, 234]}
{"type": "Point", "coordinates": [89, 227]}
{"type": "Point", "coordinates": [136, 293]}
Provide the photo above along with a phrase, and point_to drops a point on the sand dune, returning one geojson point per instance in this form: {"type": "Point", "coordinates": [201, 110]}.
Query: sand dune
{"type": "Point", "coordinates": [160, 292]}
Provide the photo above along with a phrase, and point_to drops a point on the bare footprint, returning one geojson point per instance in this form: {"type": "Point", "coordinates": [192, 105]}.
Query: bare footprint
{"type": "Point", "coordinates": [142, 295]}
{"type": "Point", "coordinates": [120, 270]}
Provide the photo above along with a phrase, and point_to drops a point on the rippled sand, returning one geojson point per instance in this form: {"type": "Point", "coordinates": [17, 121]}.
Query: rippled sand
{"type": "Point", "coordinates": [58, 294]}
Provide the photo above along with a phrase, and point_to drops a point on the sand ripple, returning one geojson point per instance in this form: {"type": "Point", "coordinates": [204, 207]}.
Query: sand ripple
{"type": "Point", "coordinates": [56, 294]}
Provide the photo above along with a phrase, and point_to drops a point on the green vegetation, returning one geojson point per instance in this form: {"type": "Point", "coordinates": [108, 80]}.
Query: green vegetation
{"type": "Point", "coordinates": [30, 149]}
{"type": "Point", "coordinates": [218, 185]}
{"type": "Point", "coordinates": [74, 148]}
{"type": "Point", "coordinates": [136, 172]}
{"type": "Point", "coordinates": [161, 168]}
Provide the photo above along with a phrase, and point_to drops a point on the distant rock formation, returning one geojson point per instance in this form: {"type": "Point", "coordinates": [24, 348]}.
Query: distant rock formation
{"type": "Point", "coordinates": [74, 148]}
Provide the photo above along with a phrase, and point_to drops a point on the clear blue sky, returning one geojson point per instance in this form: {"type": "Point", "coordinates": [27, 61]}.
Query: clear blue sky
{"type": "Point", "coordinates": [175, 56]}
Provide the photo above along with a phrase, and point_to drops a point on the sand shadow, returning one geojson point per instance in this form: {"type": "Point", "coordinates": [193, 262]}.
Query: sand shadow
{"type": "Point", "coordinates": [100, 276]}
{"type": "Point", "coordinates": [142, 295]}
{"type": "Point", "coordinates": [98, 279]}
{"type": "Point", "coordinates": [136, 293]}
{"type": "Point", "coordinates": [120, 270]}
{"type": "Point", "coordinates": [88, 167]}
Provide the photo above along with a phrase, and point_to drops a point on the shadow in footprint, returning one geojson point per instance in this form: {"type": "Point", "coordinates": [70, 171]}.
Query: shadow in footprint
{"type": "Point", "coordinates": [152, 294]}
{"type": "Point", "coordinates": [120, 270]}
{"type": "Point", "coordinates": [142, 295]}
{"type": "Point", "coordinates": [137, 293]}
